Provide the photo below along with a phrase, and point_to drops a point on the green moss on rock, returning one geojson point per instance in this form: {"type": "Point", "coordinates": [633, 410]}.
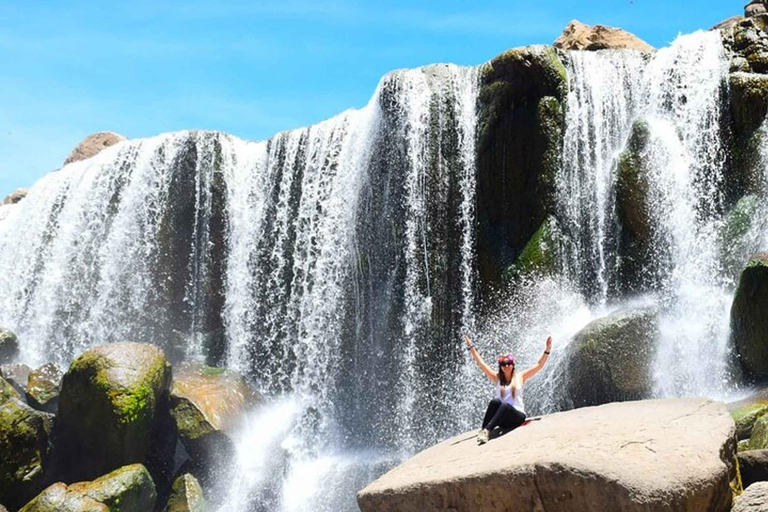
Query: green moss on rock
{"type": "Point", "coordinates": [749, 323]}
{"type": "Point", "coordinates": [110, 402]}
{"type": "Point", "coordinates": [43, 388]}
{"type": "Point", "coordinates": [746, 415]}
{"type": "Point", "coordinates": [186, 495]}
{"type": "Point", "coordinates": [540, 256]}
{"type": "Point", "coordinates": [733, 240]}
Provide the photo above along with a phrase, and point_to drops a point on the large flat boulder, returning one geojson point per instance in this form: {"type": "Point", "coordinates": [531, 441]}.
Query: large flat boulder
{"type": "Point", "coordinates": [754, 499]}
{"type": "Point", "coordinates": [673, 454]}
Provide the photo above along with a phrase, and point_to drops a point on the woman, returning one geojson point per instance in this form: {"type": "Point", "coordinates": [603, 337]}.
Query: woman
{"type": "Point", "coordinates": [506, 411]}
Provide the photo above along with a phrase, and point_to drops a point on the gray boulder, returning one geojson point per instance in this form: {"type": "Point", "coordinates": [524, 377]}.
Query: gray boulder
{"type": "Point", "coordinates": [127, 489]}
{"type": "Point", "coordinates": [753, 466]}
{"type": "Point", "coordinates": [186, 495]}
{"type": "Point", "coordinates": [749, 323]}
{"type": "Point", "coordinates": [610, 359]}
{"type": "Point", "coordinates": [17, 375]}
{"type": "Point", "coordinates": [43, 388]}
{"type": "Point", "coordinates": [753, 499]}
{"type": "Point", "coordinates": [112, 399]}
{"type": "Point", "coordinates": [755, 8]}
{"type": "Point", "coordinates": [674, 454]}
{"type": "Point", "coordinates": [9, 346]}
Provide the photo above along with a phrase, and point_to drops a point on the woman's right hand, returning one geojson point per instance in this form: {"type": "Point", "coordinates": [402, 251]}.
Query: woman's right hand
{"type": "Point", "coordinates": [468, 340]}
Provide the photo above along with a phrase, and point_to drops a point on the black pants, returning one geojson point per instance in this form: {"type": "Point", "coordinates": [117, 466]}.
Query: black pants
{"type": "Point", "coordinates": [503, 416]}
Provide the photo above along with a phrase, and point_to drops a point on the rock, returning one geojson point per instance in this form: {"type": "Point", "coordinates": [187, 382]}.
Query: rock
{"type": "Point", "coordinates": [748, 107]}
{"type": "Point", "coordinates": [729, 23]}
{"type": "Point", "coordinates": [111, 403]}
{"type": "Point", "coordinates": [24, 438]}
{"type": "Point", "coordinates": [92, 145]}
{"type": "Point", "coordinates": [17, 375]}
{"type": "Point", "coordinates": [521, 123]}
{"type": "Point", "coordinates": [541, 255]}
{"type": "Point", "coordinates": [754, 8]}
{"type": "Point", "coordinates": [753, 499]}
{"type": "Point", "coordinates": [43, 388]}
{"type": "Point", "coordinates": [746, 412]}
{"type": "Point", "coordinates": [186, 495]}
{"type": "Point", "coordinates": [127, 489]}
{"type": "Point", "coordinates": [611, 358]}
{"type": "Point", "coordinates": [753, 466]}
{"type": "Point", "coordinates": [743, 445]}
{"type": "Point", "coordinates": [578, 36]}
{"type": "Point", "coordinates": [674, 454]}
{"type": "Point", "coordinates": [758, 440]}
{"type": "Point", "coordinates": [206, 405]}
{"type": "Point", "coordinates": [733, 239]}
{"type": "Point", "coordinates": [749, 324]}
{"type": "Point", "coordinates": [9, 346]}
{"type": "Point", "coordinates": [16, 196]}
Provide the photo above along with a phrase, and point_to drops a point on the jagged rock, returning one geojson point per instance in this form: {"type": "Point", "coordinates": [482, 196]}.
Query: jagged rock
{"type": "Point", "coordinates": [520, 135]}
{"type": "Point", "coordinates": [748, 107]}
{"type": "Point", "coordinates": [611, 358]}
{"type": "Point", "coordinates": [186, 495]}
{"type": "Point", "coordinates": [110, 407]}
{"type": "Point", "coordinates": [541, 255]}
{"type": "Point", "coordinates": [753, 499]}
{"type": "Point", "coordinates": [729, 23]}
{"type": "Point", "coordinates": [24, 437]}
{"type": "Point", "coordinates": [675, 454]}
{"type": "Point", "coordinates": [749, 324]}
{"type": "Point", "coordinates": [43, 388]}
{"type": "Point", "coordinates": [92, 145]}
{"type": "Point", "coordinates": [16, 196]}
{"type": "Point", "coordinates": [17, 375]}
{"type": "Point", "coordinates": [206, 405]}
{"type": "Point", "coordinates": [755, 8]}
{"type": "Point", "coordinates": [753, 466]}
{"type": "Point", "coordinates": [578, 36]}
{"type": "Point", "coordinates": [9, 346]}
{"type": "Point", "coordinates": [127, 489]}
{"type": "Point", "coordinates": [746, 412]}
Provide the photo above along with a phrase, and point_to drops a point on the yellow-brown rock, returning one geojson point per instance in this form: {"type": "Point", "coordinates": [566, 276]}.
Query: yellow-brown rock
{"type": "Point", "coordinates": [578, 36]}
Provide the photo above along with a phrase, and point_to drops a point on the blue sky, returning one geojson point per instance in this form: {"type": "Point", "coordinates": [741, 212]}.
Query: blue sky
{"type": "Point", "coordinates": [71, 68]}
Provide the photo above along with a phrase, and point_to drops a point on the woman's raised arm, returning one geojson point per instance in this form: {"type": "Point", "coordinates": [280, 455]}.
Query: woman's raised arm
{"type": "Point", "coordinates": [533, 370]}
{"type": "Point", "coordinates": [479, 360]}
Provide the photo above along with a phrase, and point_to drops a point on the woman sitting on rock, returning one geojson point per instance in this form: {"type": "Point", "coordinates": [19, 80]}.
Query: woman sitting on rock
{"type": "Point", "coordinates": [506, 411]}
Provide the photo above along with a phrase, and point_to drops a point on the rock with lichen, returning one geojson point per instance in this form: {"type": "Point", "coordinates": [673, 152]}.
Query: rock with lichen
{"type": "Point", "coordinates": [186, 495]}
{"type": "Point", "coordinates": [92, 145]}
{"type": "Point", "coordinates": [43, 387]}
{"type": "Point", "coordinates": [578, 36]}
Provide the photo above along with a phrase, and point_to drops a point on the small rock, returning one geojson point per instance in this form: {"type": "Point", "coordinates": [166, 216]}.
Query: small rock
{"type": "Point", "coordinates": [578, 36]}
{"type": "Point", "coordinates": [753, 499]}
{"type": "Point", "coordinates": [127, 489]}
{"type": "Point", "coordinates": [753, 465]}
{"type": "Point", "coordinates": [111, 400]}
{"type": "Point", "coordinates": [9, 346]}
{"type": "Point", "coordinates": [43, 388]}
{"type": "Point", "coordinates": [745, 413]}
{"type": "Point", "coordinates": [17, 375]}
{"type": "Point", "coordinates": [92, 145]}
{"type": "Point", "coordinates": [16, 196]}
{"type": "Point", "coordinates": [186, 495]}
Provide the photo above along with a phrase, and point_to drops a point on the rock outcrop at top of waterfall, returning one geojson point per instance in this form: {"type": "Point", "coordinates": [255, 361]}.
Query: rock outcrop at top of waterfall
{"type": "Point", "coordinates": [675, 454]}
{"type": "Point", "coordinates": [578, 36]}
{"type": "Point", "coordinates": [92, 145]}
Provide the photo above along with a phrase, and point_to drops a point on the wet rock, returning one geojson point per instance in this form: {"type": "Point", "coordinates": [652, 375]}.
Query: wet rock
{"type": "Point", "coordinates": [127, 489]}
{"type": "Point", "coordinates": [746, 412]}
{"type": "Point", "coordinates": [111, 403]}
{"type": "Point", "coordinates": [186, 495]}
{"type": "Point", "coordinates": [541, 255]}
{"type": "Point", "coordinates": [24, 443]}
{"type": "Point", "coordinates": [676, 454]}
{"type": "Point", "coordinates": [758, 439]}
{"type": "Point", "coordinates": [520, 135]}
{"type": "Point", "coordinates": [92, 145]}
{"type": "Point", "coordinates": [611, 358]}
{"type": "Point", "coordinates": [17, 375]}
{"type": "Point", "coordinates": [753, 466]}
{"type": "Point", "coordinates": [749, 324]}
{"type": "Point", "coordinates": [43, 388]}
{"type": "Point", "coordinates": [734, 236]}
{"type": "Point", "coordinates": [207, 404]}
{"type": "Point", "coordinates": [578, 36]}
{"type": "Point", "coordinates": [16, 196]}
{"type": "Point", "coordinates": [9, 346]}
{"type": "Point", "coordinates": [753, 499]}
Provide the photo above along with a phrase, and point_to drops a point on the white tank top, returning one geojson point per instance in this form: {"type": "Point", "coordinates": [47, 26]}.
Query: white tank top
{"type": "Point", "coordinates": [516, 402]}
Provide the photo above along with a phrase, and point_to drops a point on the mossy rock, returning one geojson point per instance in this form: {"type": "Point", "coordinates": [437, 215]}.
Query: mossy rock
{"type": "Point", "coordinates": [521, 123]}
{"type": "Point", "coordinates": [541, 255]}
{"type": "Point", "coordinates": [9, 346]}
{"type": "Point", "coordinates": [749, 100]}
{"type": "Point", "coordinates": [733, 238]}
{"type": "Point", "coordinates": [759, 438]}
{"type": "Point", "coordinates": [743, 445]}
{"type": "Point", "coordinates": [207, 405]}
{"type": "Point", "coordinates": [749, 323]}
{"type": "Point", "coordinates": [127, 489]}
{"type": "Point", "coordinates": [24, 444]}
{"type": "Point", "coordinates": [611, 358]}
{"type": "Point", "coordinates": [43, 388]}
{"type": "Point", "coordinates": [186, 495]}
{"type": "Point", "coordinates": [17, 374]}
{"type": "Point", "coordinates": [746, 415]}
{"type": "Point", "coordinates": [111, 403]}
{"type": "Point", "coordinates": [7, 391]}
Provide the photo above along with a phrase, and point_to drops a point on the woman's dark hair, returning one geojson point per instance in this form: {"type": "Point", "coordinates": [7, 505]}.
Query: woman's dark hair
{"type": "Point", "coordinates": [502, 377]}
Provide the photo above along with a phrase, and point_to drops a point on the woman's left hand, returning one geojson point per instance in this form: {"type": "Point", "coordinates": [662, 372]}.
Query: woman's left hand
{"type": "Point", "coordinates": [549, 343]}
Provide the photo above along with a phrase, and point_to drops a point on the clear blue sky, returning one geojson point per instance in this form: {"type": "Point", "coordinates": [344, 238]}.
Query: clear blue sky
{"type": "Point", "coordinates": [70, 68]}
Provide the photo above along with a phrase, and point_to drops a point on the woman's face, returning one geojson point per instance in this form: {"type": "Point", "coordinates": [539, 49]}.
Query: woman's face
{"type": "Point", "coordinates": [507, 367]}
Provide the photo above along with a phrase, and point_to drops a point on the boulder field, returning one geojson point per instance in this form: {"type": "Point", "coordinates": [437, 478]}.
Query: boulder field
{"type": "Point", "coordinates": [672, 454]}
